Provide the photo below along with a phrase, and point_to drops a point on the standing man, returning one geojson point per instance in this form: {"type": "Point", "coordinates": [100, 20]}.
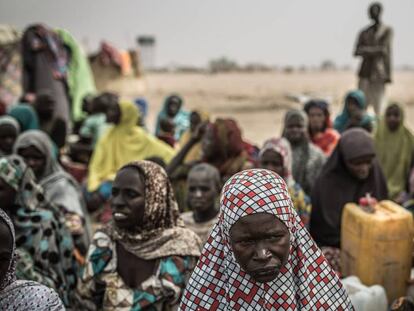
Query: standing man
{"type": "Point", "coordinates": [374, 46]}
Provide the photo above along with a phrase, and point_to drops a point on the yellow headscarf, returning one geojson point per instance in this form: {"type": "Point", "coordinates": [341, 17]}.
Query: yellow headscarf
{"type": "Point", "coordinates": [121, 144]}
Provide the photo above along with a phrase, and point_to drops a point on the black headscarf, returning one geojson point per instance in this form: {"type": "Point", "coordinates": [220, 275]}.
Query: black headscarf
{"type": "Point", "coordinates": [336, 186]}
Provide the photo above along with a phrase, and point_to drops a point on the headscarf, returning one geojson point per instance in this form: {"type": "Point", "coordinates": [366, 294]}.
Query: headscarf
{"type": "Point", "coordinates": [195, 153]}
{"type": "Point", "coordinates": [79, 76]}
{"type": "Point", "coordinates": [230, 156]}
{"type": "Point", "coordinates": [336, 187]}
{"type": "Point", "coordinates": [282, 147]}
{"type": "Point", "coordinates": [162, 233]}
{"type": "Point", "coordinates": [22, 294]}
{"type": "Point", "coordinates": [121, 144]}
{"type": "Point", "coordinates": [305, 282]}
{"type": "Point", "coordinates": [341, 121]}
{"type": "Point", "coordinates": [7, 120]}
{"type": "Point", "coordinates": [26, 116]}
{"type": "Point", "coordinates": [329, 137]}
{"type": "Point", "coordinates": [40, 228]}
{"type": "Point", "coordinates": [53, 173]}
{"type": "Point", "coordinates": [395, 153]}
{"type": "Point", "coordinates": [307, 160]}
{"type": "Point", "coordinates": [10, 276]}
{"type": "Point", "coordinates": [181, 119]}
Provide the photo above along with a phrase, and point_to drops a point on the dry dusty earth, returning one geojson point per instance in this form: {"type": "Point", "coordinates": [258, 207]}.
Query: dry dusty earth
{"type": "Point", "coordinates": [256, 100]}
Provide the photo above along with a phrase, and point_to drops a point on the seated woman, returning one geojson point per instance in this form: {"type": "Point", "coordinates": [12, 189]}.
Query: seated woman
{"type": "Point", "coordinates": [351, 172]}
{"type": "Point", "coordinates": [354, 113]}
{"type": "Point", "coordinates": [26, 116]}
{"type": "Point", "coordinates": [196, 119]}
{"type": "Point", "coordinates": [307, 160]}
{"type": "Point", "coordinates": [20, 295]}
{"type": "Point", "coordinates": [40, 230]}
{"type": "Point", "coordinates": [59, 187]}
{"type": "Point", "coordinates": [122, 143]}
{"type": "Point", "coordinates": [394, 144]}
{"type": "Point", "coordinates": [276, 156]}
{"type": "Point", "coordinates": [142, 259]}
{"type": "Point", "coordinates": [9, 130]}
{"type": "Point", "coordinates": [203, 190]}
{"type": "Point", "coordinates": [259, 256]}
{"type": "Point", "coordinates": [172, 110]}
{"type": "Point", "coordinates": [320, 127]}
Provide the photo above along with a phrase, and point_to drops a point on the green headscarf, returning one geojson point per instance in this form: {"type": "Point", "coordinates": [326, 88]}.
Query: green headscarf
{"type": "Point", "coordinates": [395, 152]}
{"type": "Point", "coordinates": [80, 78]}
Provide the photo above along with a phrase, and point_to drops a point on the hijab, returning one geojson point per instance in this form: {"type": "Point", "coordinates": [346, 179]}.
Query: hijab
{"type": "Point", "coordinates": [10, 276]}
{"type": "Point", "coordinates": [162, 233]}
{"type": "Point", "coordinates": [305, 282]}
{"type": "Point", "coordinates": [282, 147]}
{"type": "Point", "coordinates": [181, 119]}
{"type": "Point", "coordinates": [22, 294]}
{"type": "Point", "coordinates": [395, 153]}
{"type": "Point", "coordinates": [341, 121]}
{"type": "Point", "coordinates": [121, 144]}
{"type": "Point", "coordinates": [26, 116]}
{"type": "Point", "coordinates": [9, 121]}
{"type": "Point", "coordinates": [336, 187]}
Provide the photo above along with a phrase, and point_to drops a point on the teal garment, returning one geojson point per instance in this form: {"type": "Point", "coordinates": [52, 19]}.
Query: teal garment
{"type": "Point", "coordinates": [93, 127]}
{"type": "Point", "coordinates": [26, 116]}
{"type": "Point", "coordinates": [341, 121]}
{"type": "Point", "coordinates": [181, 121]}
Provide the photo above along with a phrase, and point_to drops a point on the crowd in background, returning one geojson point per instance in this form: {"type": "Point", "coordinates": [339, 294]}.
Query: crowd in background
{"type": "Point", "coordinates": [121, 217]}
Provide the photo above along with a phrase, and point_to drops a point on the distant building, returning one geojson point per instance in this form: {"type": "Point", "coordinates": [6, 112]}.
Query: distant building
{"type": "Point", "coordinates": [147, 45]}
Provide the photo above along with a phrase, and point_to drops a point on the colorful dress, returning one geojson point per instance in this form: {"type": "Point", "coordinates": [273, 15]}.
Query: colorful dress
{"type": "Point", "coordinates": [102, 283]}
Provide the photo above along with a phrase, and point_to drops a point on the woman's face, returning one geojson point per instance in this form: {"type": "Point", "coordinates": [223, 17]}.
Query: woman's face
{"type": "Point", "coordinates": [317, 119]}
{"type": "Point", "coordinates": [295, 130]}
{"type": "Point", "coordinates": [6, 246]}
{"type": "Point", "coordinates": [195, 120]}
{"type": "Point", "coordinates": [261, 244]}
{"type": "Point", "coordinates": [8, 135]}
{"type": "Point", "coordinates": [202, 191]}
{"type": "Point", "coordinates": [393, 118]}
{"type": "Point", "coordinates": [273, 161]}
{"type": "Point", "coordinates": [360, 167]}
{"type": "Point", "coordinates": [7, 195]}
{"type": "Point", "coordinates": [128, 199]}
{"type": "Point", "coordinates": [353, 108]}
{"type": "Point", "coordinates": [34, 159]}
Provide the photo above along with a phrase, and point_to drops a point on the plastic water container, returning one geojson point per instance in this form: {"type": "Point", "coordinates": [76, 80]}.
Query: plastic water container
{"type": "Point", "coordinates": [376, 246]}
{"type": "Point", "coordinates": [365, 298]}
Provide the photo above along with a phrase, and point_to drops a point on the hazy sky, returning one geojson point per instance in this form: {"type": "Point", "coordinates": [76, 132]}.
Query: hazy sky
{"type": "Point", "coordinates": [277, 32]}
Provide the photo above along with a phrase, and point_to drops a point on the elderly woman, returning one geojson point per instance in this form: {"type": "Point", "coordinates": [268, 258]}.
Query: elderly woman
{"type": "Point", "coordinates": [20, 295]}
{"type": "Point", "coordinates": [142, 259]}
{"type": "Point", "coordinates": [9, 130]}
{"type": "Point", "coordinates": [276, 156]}
{"type": "Point", "coordinates": [259, 256]}
{"type": "Point", "coordinates": [59, 187]}
{"type": "Point", "coordinates": [40, 232]}
{"type": "Point", "coordinates": [351, 172]}
{"type": "Point", "coordinates": [307, 158]}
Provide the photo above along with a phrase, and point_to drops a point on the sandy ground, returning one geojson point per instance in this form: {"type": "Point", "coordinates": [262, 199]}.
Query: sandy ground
{"type": "Point", "coordinates": [256, 100]}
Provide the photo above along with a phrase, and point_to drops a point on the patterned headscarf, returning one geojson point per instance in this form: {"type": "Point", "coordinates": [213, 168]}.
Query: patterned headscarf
{"type": "Point", "coordinates": [10, 276]}
{"type": "Point", "coordinates": [305, 282]}
{"type": "Point", "coordinates": [282, 147]}
{"type": "Point", "coordinates": [17, 175]}
{"type": "Point", "coordinates": [162, 233]}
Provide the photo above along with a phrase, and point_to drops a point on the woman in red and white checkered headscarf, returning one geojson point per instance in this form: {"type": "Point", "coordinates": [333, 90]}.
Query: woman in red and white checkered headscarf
{"type": "Point", "coordinates": [259, 256]}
